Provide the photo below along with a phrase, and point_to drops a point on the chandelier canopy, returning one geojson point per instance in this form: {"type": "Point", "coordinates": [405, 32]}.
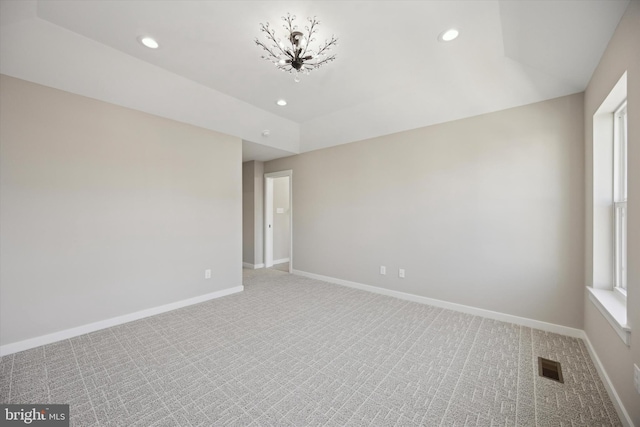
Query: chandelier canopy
{"type": "Point", "coordinates": [295, 54]}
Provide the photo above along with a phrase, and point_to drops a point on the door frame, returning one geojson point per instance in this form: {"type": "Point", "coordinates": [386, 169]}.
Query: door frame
{"type": "Point", "coordinates": [268, 216]}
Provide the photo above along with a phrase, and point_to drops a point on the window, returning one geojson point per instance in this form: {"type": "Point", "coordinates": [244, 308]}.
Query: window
{"type": "Point", "coordinates": [620, 198]}
{"type": "Point", "coordinates": [607, 289]}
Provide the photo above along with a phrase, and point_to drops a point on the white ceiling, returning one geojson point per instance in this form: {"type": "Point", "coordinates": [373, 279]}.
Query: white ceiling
{"type": "Point", "coordinates": [391, 73]}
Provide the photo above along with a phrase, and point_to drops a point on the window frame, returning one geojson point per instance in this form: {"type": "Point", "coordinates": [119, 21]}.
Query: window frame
{"type": "Point", "coordinates": [620, 183]}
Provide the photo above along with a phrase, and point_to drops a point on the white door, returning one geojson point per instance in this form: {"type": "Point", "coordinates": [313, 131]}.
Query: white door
{"type": "Point", "coordinates": [269, 220]}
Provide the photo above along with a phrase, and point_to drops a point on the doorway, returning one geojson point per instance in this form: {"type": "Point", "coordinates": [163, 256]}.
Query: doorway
{"type": "Point", "coordinates": [278, 220]}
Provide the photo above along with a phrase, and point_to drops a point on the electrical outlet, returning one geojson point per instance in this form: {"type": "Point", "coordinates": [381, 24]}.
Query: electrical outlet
{"type": "Point", "coordinates": [207, 274]}
{"type": "Point", "coordinates": [636, 377]}
{"type": "Point", "coordinates": [401, 273]}
{"type": "Point", "coordinates": [383, 270]}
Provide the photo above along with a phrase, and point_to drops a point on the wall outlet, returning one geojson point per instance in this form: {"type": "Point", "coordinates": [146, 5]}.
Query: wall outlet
{"type": "Point", "coordinates": [207, 274]}
{"type": "Point", "coordinates": [401, 273]}
{"type": "Point", "coordinates": [383, 270]}
{"type": "Point", "coordinates": [636, 377]}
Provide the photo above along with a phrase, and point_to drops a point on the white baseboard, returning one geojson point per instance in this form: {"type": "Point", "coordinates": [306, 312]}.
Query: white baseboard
{"type": "Point", "coordinates": [114, 321]}
{"type": "Point", "coordinates": [252, 266]}
{"type": "Point", "coordinates": [624, 416]}
{"type": "Point", "coordinates": [523, 321]}
{"type": "Point", "coordinates": [256, 266]}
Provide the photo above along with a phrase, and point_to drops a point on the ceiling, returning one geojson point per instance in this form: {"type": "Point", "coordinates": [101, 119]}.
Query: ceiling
{"type": "Point", "coordinates": [391, 73]}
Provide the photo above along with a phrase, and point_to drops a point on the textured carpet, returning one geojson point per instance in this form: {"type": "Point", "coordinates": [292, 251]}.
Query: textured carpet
{"type": "Point", "coordinates": [281, 267]}
{"type": "Point", "coordinates": [292, 351]}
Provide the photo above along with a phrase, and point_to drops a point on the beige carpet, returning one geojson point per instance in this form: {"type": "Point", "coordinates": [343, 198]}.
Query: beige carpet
{"type": "Point", "coordinates": [281, 267]}
{"type": "Point", "coordinates": [292, 351]}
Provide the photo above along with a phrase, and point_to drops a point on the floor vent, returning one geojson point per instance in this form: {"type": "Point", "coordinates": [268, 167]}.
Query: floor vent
{"type": "Point", "coordinates": [550, 369]}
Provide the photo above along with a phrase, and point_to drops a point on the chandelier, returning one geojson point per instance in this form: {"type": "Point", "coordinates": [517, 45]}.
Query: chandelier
{"type": "Point", "coordinates": [295, 54]}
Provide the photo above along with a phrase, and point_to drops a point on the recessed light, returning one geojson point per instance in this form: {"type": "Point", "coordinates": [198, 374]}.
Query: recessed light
{"type": "Point", "coordinates": [281, 102]}
{"type": "Point", "coordinates": [448, 35]}
{"type": "Point", "coordinates": [149, 42]}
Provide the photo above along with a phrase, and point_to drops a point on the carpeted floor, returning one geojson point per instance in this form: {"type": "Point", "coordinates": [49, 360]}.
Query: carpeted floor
{"type": "Point", "coordinates": [281, 267]}
{"type": "Point", "coordinates": [292, 351]}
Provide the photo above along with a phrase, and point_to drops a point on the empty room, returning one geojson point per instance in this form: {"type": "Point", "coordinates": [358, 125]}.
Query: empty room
{"type": "Point", "coordinates": [320, 213]}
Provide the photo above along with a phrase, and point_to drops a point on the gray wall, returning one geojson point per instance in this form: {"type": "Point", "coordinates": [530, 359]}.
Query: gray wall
{"type": "Point", "coordinates": [248, 212]}
{"type": "Point", "coordinates": [252, 212]}
{"type": "Point", "coordinates": [621, 55]}
{"type": "Point", "coordinates": [106, 211]}
{"type": "Point", "coordinates": [258, 218]}
{"type": "Point", "coordinates": [485, 211]}
{"type": "Point", "coordinates": [281, 228]}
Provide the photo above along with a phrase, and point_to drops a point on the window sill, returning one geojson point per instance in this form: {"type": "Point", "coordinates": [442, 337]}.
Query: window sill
{"type": "Point", "coordinates": [613, 307]}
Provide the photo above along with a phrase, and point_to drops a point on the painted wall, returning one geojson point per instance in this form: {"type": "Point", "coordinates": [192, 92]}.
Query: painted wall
{"type": "Point", "coordinates": [258, 185]}
{"type": "Point", "coordinates": [281, 227]}
{"type": "Point", "coordinates": [621, 55]}
{"type": "Point", "coordinates": [485, 211]}
{"type": "Point", "coordinates": [248, 212]}
{"type": "Point", "coordinates": [106, 211]}
{"type": "Point", "coordinates": [252, 212]}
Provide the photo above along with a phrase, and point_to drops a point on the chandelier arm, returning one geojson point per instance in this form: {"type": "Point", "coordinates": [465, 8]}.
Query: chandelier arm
{"type": "Point", "coordinates": [271, 54]}
{"type": "Point", "coordinates": [324, 61]}
{"type": "Point", "coordinates": [311, 30]}
{"type": "Point", "coordinates": [289, 21]}
{"type": "Point", "coordinates": [327, 46]}
{"type": "Point", "coordinates": [271, 36]}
